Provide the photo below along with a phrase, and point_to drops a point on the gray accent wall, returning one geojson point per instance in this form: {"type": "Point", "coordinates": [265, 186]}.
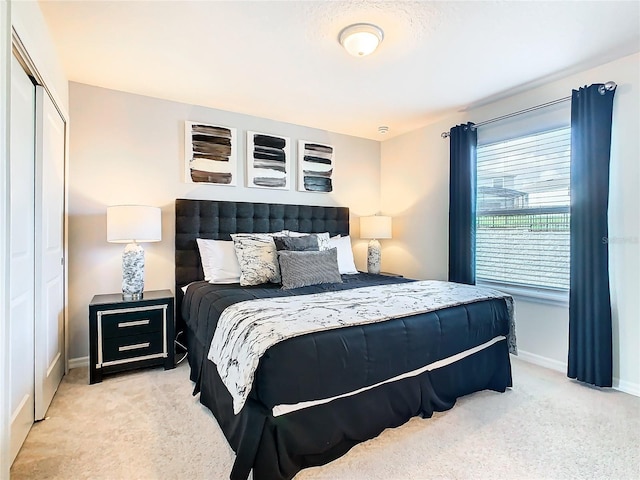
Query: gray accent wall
{"type": "Point", "coordinates": [129, 149]}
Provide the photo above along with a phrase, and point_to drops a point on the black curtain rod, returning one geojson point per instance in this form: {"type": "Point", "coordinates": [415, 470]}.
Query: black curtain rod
{"type": "Point", "coordinates": [607, 86]}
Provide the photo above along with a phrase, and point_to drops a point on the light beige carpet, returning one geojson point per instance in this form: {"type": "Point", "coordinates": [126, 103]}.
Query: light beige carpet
{"type": "Point", "coordinates": [146, 425]}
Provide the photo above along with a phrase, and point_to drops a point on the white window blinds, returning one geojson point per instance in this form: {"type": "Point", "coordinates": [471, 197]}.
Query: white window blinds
{"type": "Point", "coordinates": [522, 216]}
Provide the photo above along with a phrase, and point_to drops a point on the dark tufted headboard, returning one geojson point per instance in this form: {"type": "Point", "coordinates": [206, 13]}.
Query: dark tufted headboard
{"type": "Point", "coordinates": [217, 220]}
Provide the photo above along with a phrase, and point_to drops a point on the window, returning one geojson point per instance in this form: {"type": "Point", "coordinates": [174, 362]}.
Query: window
{"type": "Point", "coordinates": [522, 218]}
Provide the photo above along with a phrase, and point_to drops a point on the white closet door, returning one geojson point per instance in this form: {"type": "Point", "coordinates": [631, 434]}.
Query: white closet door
{"type": "Point", "coordinates": [49, 306]}
{"type": "Point", "coordinates": [21, 255]}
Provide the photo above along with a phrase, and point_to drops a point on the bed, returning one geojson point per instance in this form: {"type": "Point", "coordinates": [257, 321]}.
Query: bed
{"type": "Point", "coordinates": [315, 396]}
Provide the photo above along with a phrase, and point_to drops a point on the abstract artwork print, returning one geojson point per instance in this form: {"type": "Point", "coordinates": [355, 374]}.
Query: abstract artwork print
{"type": "Point", "coordinates": [315, 167]}
{"type": "Point", "coordinates": [268, 161]}
{"type": "Point", "coordinates": [210, 154]}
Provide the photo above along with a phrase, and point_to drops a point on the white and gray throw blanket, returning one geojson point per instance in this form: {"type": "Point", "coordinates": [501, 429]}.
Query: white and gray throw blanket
{"type": "Point", "coordinates": [246, 330]}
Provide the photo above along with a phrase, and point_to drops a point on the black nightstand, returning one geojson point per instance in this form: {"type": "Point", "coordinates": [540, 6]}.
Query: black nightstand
{"type": "Point", "coordinates": [128, 334]}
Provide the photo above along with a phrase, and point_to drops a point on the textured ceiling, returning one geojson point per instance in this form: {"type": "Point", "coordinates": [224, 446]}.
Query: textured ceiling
{"type": "Point", "coordinates": [281, 59]}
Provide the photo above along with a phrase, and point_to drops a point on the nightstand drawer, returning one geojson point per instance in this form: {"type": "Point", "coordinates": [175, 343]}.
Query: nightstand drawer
{"type": "Point", "coordinates": [121, 324]}
{"type": "Point", "coordinates": [119, 348]}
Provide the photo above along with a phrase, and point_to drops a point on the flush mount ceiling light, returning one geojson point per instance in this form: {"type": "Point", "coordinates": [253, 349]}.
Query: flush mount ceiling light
{"type": "Point", "coordinates": [361, 39]}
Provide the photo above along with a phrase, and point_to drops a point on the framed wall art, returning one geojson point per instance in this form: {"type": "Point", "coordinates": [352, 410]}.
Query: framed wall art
{"type": "Point", "coordinates": [315, 167]}
{"type": "Point", "coordinates": [268, 161]}
{"type": "Point", "coordinates": [210, 154]}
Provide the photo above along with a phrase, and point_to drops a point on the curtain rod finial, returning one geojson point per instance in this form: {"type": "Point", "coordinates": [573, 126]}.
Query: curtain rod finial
{"type": "Point", "coordinates": [445, 134]}
{"type": "Point", "coordinates": [607, 87]}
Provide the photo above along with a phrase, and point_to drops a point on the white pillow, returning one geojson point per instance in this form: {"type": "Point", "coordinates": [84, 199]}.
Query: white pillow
{"type": "Point", "coordinates": [346, 265]}
{"type": "Point", "coordinates": [219, 261]}
{"type": "Point", "coordinates": [257, 257]}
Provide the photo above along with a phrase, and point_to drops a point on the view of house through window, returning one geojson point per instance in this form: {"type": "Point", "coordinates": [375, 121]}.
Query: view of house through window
{"type": "Point", "coordinates": [522, 214]}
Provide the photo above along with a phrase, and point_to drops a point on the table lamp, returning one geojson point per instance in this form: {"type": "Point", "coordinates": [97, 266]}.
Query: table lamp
{"type": "Point", "coordinates": [375, 227]}
{"type": "Point", "coordinates": [133, 224]}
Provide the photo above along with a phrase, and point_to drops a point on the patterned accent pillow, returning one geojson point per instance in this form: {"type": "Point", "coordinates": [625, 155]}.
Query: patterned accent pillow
{"type": "Point", "coordinates": [257, 257]}
{"type": "Point", "coordinates": [301, 269]}
{"type": "Point", "coordinates": [323, 241]}
{"type": "Point", "coordinates": [308, 243]}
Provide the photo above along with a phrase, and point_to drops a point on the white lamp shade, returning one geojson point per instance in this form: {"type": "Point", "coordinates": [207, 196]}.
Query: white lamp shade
{"type": "Point", "coordinates": [377, 227]}
{"type": "Point", "coordinates": [133, 223]}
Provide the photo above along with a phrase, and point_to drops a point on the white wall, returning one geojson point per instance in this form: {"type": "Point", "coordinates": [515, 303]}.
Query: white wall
{"type": "Point", "coordinates": [414, 190]}
{"type": "Point", "coordinates": [415, 193]}
{"type": "Point", "coordinates": [129, 148]}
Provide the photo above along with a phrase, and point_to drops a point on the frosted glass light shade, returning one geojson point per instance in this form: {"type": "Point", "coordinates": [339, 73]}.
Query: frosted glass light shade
{"type": "Point", "coordinates": [378, 226]}
{"type": "Point", "coordinates": [133, 223]}
{"type": "Point", "coordinates": [360, 39]}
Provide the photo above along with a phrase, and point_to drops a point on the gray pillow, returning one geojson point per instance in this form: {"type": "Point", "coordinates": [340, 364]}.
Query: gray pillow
{"type": "Point", "coordinates": [302, 269]}
{"type": "Point", "coordinates": [323, 238]}
{"type": "Point", "coordinates": [308, 243]}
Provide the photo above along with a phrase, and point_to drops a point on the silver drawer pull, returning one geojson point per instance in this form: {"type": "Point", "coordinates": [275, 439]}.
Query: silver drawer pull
{"type": "Point", "coordinates": [133, 347]}
{"type": "Point", "coordinates": [135, 323]}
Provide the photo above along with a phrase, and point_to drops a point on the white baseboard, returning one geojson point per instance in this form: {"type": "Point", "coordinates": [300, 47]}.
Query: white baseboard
{"type": "Point", "coordinates": [628, 387]}
{"type": "Point", "coordinates": [543, 361]}
{"type": "Point", "coordinates": [621, 385]}
{"type": "Point", "coordinates": [78, 362]}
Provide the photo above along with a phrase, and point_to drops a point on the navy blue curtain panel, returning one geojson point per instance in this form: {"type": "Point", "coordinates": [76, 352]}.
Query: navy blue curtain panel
{"type": "Point", "coordinates": [462, 204]}
{"type": "Point", "coordinates": [590, 344]}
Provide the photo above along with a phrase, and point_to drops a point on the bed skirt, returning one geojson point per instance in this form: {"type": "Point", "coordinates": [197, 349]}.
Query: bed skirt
{"type": "Point", "coordinates": [276, 448]}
